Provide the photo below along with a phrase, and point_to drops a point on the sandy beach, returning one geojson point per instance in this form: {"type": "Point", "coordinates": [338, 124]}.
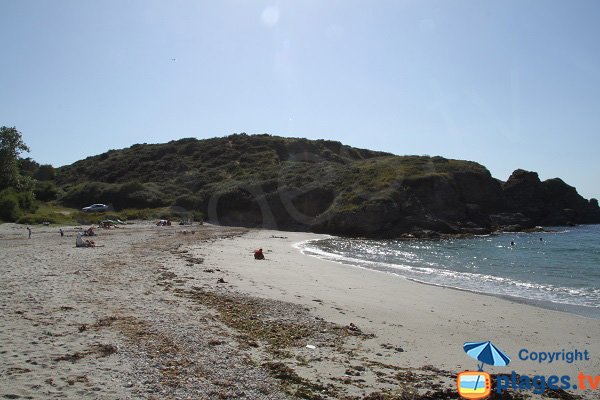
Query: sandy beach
{"type": "Point", "coordinates": [186, 312]}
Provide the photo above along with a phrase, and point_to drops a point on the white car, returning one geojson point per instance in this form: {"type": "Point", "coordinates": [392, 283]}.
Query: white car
{"type": "Point", "coordinates": [96, 208]}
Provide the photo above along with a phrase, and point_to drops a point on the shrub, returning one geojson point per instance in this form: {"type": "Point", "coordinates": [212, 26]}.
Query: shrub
{"type": "Point", "coordinates": [27, 201]}
{"type": "Point", "coordinates": [13, 204]}
{"type": "Point", "coordinates": [128, 195]}
{"type": "Point", "coordinates": [45, 173]}
{"type": "Point", "coordinates": [36, 219]}
{"type": "Point", "coordinates": [87, 218]}
{"type": "Point", "coordinates": [9, 206]}
{"type": "Point", "coordinates": [187, 201]}
{"type": "Point", "coordinates": [85, 194]}
{"type": "Point", "coordinates": [131, 187]}
{"type": "Point", "coordinates": [45, 191]}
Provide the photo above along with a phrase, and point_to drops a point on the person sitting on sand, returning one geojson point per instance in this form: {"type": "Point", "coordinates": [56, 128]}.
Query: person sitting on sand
{"type": "Point", "coordinates": [79, 242]}
{"type": "Point", "coordinates": [258, 255]}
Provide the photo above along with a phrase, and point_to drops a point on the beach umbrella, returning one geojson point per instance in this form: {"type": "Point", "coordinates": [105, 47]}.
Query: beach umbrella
{"type": "Point", "coordinates": [487, 353]}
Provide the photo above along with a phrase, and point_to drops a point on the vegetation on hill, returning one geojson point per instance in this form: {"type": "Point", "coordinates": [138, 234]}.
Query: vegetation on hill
{"type": "Point", "coordinates": [300, 184]}
{"type": "Point", "coordinates": [318, 185]}
{"type": "Point", "coordinates": [188, 172]}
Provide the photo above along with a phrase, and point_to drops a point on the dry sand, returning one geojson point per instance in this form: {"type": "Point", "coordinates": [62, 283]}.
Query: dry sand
{"type": "Point", "coordinates": [144, 316]}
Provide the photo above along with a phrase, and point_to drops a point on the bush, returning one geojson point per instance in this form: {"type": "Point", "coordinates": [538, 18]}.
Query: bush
{"type": "Point", "coordinates": [36, 219]}
{"type": "Point", "coordinates": [27, 201]}
{"type": "Point", "coordinates": [85, 194]}
{"type": "Point", "coordinates": [127, 195]}
{"type": "Point", "coordinates": [141, 214]}
{"type": "Point", "coordinates": [13, 204]}
{"type": "Point", "coordinates": [88, 218]}
{"type": "Point", "coordinates": [187, 201]}
{"type": "Point", "coordinates": [9, 206]}
{"type": "Point", "coordinates": [197, 216]}
{"type": "Point", "coordinates": [145, 197]}
{"type": "Point", "coordinates": [45, 173]}
{"type": "Point", "coordinates": [45, 191]}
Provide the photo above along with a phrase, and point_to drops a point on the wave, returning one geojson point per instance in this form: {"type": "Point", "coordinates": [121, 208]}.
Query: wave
{"type": "Point", "coordinates": [433, 273]}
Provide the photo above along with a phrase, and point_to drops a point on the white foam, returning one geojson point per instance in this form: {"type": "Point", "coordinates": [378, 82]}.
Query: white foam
{"type": "Point", "coordinates": [433, 274]}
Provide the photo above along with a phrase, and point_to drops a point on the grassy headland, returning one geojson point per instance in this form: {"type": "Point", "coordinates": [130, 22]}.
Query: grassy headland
{"type": "Point", "coordinates": [317, 185]}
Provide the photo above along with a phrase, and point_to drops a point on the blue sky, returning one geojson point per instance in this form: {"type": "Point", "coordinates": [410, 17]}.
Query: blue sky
{"type": "Point", "coordinates": [509, 84]}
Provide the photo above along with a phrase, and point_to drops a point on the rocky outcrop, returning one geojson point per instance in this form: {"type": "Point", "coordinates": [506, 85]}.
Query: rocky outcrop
{"type": "Point", "coordinates": [456, 203]}
{"type": "Point", "coordinates": [551, 202]}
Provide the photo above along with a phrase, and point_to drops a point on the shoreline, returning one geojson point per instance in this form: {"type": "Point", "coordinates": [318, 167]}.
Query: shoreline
{"type": "Point", "coordinates": [350, 280]}
{"type": "Point", "coordinates": [575, 309]}
{"type": "Point", "coordinates": [165, 312]}
{"type": "Point", "coordinates": [581, 311]}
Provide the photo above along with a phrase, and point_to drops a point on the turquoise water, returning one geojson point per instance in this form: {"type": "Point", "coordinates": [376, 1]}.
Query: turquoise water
{"type": "Point", "coordinates": [558, 269]}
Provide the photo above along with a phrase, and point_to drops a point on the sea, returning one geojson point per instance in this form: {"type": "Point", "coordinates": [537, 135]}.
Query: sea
{"type": "Point", "coordinates": [558, 269]}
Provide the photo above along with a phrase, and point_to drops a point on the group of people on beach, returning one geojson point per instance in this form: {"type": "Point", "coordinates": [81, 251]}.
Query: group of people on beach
{"type": "Point", "coordinates": [79, 241]}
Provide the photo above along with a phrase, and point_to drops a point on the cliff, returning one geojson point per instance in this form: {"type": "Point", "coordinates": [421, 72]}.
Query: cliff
{"type": "Point", "coordinates": [321, 186]}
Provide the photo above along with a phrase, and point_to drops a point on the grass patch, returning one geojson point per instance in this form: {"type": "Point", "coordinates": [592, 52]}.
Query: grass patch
{"type": "Point", "coordinates": [56, 214]}
{"type": "Point", "coordinates": [49, 212]}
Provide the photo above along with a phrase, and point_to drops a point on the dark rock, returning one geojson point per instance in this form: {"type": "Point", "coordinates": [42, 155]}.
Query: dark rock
{"type": "Point", "coordinates": [551, 202]}
{"type": "Point", "coordinates": [510, 219]}
{"type": "Point", "coordinates": [511, 229]}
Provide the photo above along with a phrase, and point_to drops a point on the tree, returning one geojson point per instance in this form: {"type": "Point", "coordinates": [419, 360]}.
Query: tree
{"type": "Point", "coordinates": [11, 146]}
{"type": "Point", "coordinates": [27, 166]}
{"type": "Point", "coordinates": [45, 172]}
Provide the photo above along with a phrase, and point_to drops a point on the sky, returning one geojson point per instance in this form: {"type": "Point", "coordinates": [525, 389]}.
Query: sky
{"type": "Point", "coordinates": [509, 84]}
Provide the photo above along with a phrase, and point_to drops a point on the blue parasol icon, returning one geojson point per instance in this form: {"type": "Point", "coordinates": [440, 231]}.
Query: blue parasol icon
{"type": "Point", "coordinates": [487, 353]}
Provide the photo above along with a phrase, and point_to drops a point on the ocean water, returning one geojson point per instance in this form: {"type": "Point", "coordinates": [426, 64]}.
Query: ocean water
{"type": "Point", "coordinates": [558, 269]}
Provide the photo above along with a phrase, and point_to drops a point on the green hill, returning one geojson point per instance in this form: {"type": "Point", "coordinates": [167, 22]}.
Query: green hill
{"type": "Point", "coordinates": [317, 185]}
